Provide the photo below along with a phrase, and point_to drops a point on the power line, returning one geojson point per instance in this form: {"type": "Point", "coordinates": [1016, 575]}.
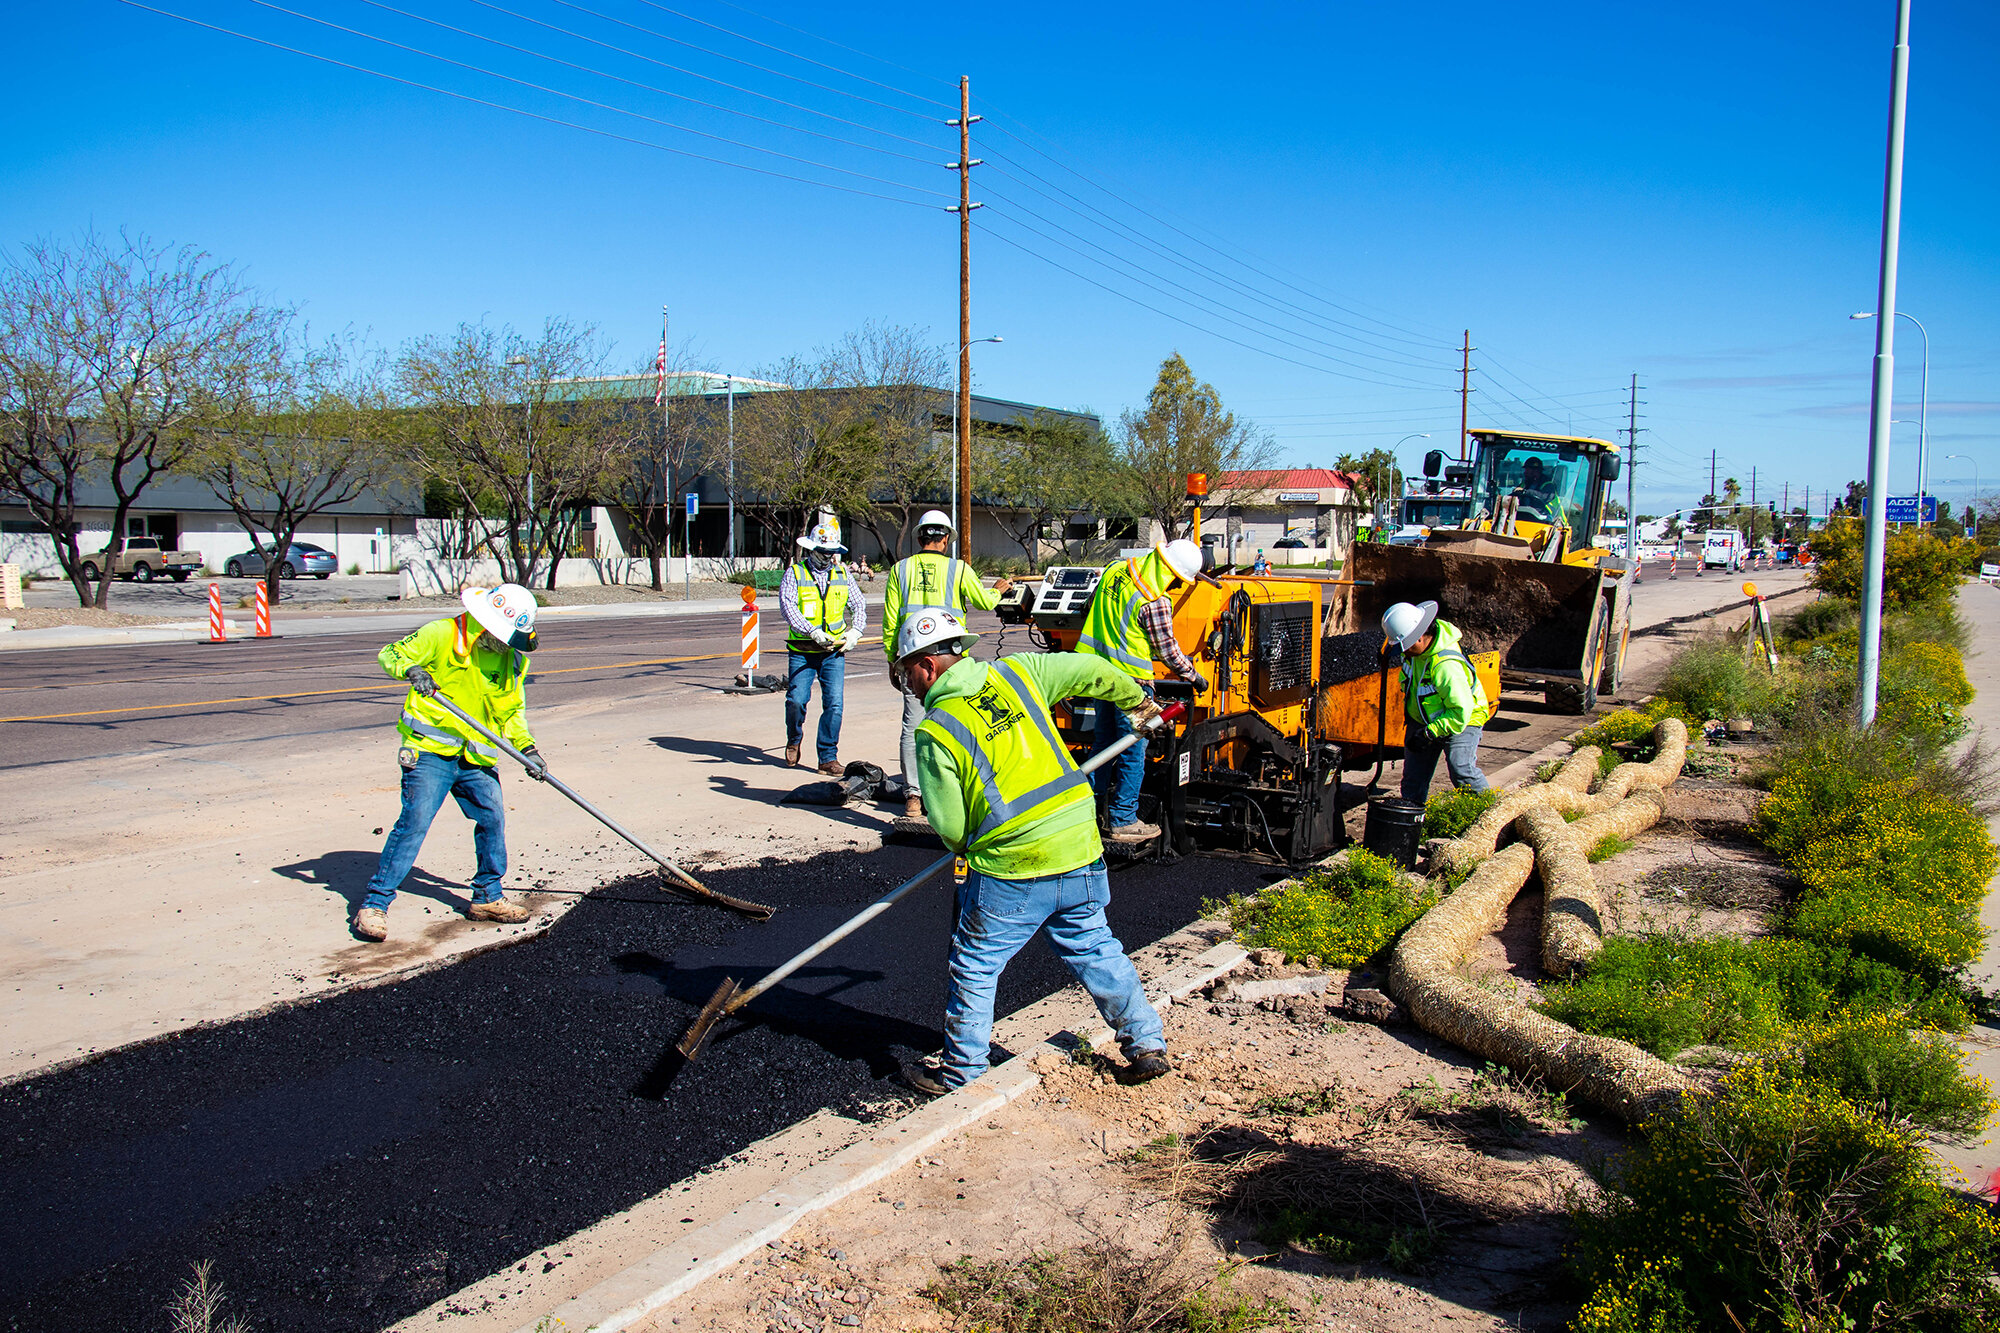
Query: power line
{"type": "Point", "coordinates": [859, 78]}
{"type": "Point", "coordinates": [590, 102]}
{"type": "Point", "coordinates": [851, 50]}
{"type": "Point", "coordinates": [515, 110]}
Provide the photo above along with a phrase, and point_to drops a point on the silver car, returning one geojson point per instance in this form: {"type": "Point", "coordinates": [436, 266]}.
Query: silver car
{"type": "Point", "coordinates": [301, 558]}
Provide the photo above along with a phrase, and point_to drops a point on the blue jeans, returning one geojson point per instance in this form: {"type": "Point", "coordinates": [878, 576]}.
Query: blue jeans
{"type": "Point", "coordinates": [424, 790]}
{"type": "Point", "coordinates": [1420, 761]}
{"type": "Point", "coordinates": [998, 916]}
{"type": "Point", "coordinates": [1118, 781]}
{"type": "Point", "coordinates": [831, 671]}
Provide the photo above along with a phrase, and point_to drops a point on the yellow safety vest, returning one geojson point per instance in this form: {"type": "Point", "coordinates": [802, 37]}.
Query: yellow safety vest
{"type": "Point", "coordinates": [1017, 775]}
{"type": "Point", "coordinates": [1111, 629]}
{"type": "Point", "coordinates": [448, 650]}
{"type": "Point", "coordinates": [828, 613]}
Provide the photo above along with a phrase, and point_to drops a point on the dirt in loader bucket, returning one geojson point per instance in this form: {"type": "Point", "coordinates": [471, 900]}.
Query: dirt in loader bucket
{"type": "Point", "coordinates": [1534, 615]}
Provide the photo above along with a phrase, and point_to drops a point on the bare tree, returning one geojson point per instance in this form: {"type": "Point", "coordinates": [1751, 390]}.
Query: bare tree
{"type": "Point", "coordinates": [115, 362]}
{"type": "Point", "coordinates": [658, 454]}
{"type": "Point", "coordinates": [303, 432]}
{"type": "Point", "coordinates": [1050, 470]}
{"type": "Point", "coordinates": [805, 448]}
{"type": "Point", "coordinates": [898, 379]}
{"type": "Point", "coordinates": [1184, 429]}
{"type": "Point", "coordinates": [526, 429]}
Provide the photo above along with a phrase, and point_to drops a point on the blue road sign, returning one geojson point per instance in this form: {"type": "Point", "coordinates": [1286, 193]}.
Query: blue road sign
{"type": "Point", "coordinates": [694, 504]}
{"type": "Point", "coordinates": [1906, 509]}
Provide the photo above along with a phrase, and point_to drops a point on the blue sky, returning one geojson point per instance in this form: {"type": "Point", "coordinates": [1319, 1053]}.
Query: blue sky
{"type": "Point", "coordinates": [1689, 191]}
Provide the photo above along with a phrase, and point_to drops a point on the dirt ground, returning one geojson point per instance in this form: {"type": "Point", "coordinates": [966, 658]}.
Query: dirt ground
{"type": "Point", "coordinates": [1327, 1100]}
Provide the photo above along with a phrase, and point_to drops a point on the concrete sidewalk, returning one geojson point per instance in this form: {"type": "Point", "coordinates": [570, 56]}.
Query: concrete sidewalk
{"type": "Point", "coordinates": [379, 624]}
{"type": "Point", "coordinates": [1979, 604]}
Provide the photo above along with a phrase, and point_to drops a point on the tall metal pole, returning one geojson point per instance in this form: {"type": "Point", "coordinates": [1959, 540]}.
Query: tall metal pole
{"type": "Point", "coordinates": [1632, 466]}
{"type": "Point", "coordinates": [1464, 394]}
{"type": "Point", "coordinates": [1881, 392]}
{"type": "Point", "coordinates": [730, 383]}
{"type": "Point", "coordinates": [961, 499]}
{"type": "Point", "coordinates": [1923, 421]}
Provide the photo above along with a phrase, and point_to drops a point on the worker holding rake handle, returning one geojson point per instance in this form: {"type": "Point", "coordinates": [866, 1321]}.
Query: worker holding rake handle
{"type": "Point", "coordinates": [478, 660]}
{"type": "Point", "coordinates": [1000, 788]}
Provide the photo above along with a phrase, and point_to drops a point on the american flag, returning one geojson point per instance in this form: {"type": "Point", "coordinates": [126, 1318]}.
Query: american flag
{"type": "Point", "coordinates": [660, 368]}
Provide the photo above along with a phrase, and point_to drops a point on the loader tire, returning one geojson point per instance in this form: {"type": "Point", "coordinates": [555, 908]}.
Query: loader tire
{"type": "Point", "coordinates": [1580, 698]}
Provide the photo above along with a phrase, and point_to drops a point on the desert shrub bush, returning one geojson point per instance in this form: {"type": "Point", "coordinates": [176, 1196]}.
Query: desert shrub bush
{"type": "Point", "coordinates": [1619, 728]}
{"type": "Point", "coordinates": [763, 580]}
{"type": "Point", "coordinates": [1778, 1205]}
{"type": "Point", "coordinates": [1917, 567]}
{"type": "Point", "coordinates": [1822, 618]}
{"type": "Point", "coordinates": [1344, 914]}
{"type": "Point", "coordinates": [1447, 814]}
{"type": "Point", "coordinates": [1712, 678]}
{"type": "Point", "coordinates": [1876, 1060]}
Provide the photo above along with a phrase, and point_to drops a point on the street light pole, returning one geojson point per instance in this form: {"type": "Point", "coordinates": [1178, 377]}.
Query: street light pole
{"type": "Point", "coordinates": [729, 383]}
{"type": "Point", "coordinates": [1882, 389]}
{"type": "Point", "coordinates": [1923, 422]}
{"type": "Point", "coordinates": [1420, 435]}
{"type": "Point", "coordinates": [528, 438]}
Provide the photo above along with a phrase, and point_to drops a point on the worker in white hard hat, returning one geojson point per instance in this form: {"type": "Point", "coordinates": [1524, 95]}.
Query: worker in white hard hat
{"type": "Point", "coordinates": [1444, 709]}
{"type": "Point", "coordinates": [825, 615]}
{"type": "Point", "coordinates": [478, 659]}
{"type": "Point", "coordinates": [1002, 791]}
{"type": "Point", "coordinates": [1131, 624]}
{"type": "Point", "coordinates": [930, 580]}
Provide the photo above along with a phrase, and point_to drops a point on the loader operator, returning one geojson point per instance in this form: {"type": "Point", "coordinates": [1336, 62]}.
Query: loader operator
{"type": "Point", "coordinates": [1444, 709]}
{"type": "Point", "coordinates": [1002, 791]}
{"type": "Point", "coordinates": [478, 659]}
{"type": "Point", "coordinates": [930, 580]}
{"type": "Point", "coordinates": [825, 615]}
{"type": "Point", "coordinates": [1131, 624]}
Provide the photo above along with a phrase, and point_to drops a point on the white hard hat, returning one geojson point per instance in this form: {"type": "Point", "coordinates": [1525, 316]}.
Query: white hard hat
{"type": "Point", "coordinates": [823, 536]}
{"type": "Point", "coordinates": [933, 629]}
{"type": "Point", "coordinates": [1403, 624]}
{"type": "Point", "coordinates": [506, 612]}
{"type": "Point", "coordinates": [1184, 558]}
{"type": "Point", "coordinates": [934, 518]}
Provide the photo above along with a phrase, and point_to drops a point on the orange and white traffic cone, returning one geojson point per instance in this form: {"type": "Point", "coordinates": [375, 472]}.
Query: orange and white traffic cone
{"type": "Point", "coordinates": [263, 610]}
{"type": "Point", "coordinates": [218, 632]}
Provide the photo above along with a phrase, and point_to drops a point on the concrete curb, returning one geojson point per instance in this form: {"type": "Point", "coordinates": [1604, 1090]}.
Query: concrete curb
{"type": "Point", "coordinates": [622, 1301]}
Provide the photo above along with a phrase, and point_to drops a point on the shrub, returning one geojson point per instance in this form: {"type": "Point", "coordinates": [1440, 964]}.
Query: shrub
{"type": "Point", "coordinates": [1605, 848]}
{"type": "Point", "coordinates": [1344, 914]}
{"type": "Point", "coordinates": [1712, 678]}
{"type": "Point", "coordinates": [1777, 1205]}
{"type": "Point", "coordinates": [1447, 814]}
{"type": "Point", "coordinates": [1099, 1288]}
{"type": "Point", "coordinates": [1918, 567]}
{"type": "Point", "coordinates": [1875, 1060]}
{"type": "Point", "coordinates": [763, 580]}
{"type": "Point", "coordinates": [1667, 992]}
{"type": "Point", "coordinates": [1822, 618]}
{"type": "Point", "coordinates": [1619, 728]}
{"type": "Point", "coordinates": [354, 567]}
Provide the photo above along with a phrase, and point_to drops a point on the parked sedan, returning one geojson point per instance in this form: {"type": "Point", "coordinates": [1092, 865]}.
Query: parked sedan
{"type": "Point", "coordinates": [303, 557]}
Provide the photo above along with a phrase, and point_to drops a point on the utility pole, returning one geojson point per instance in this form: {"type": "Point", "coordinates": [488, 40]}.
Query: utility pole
{"type": "Point", "coordinates": [1752, 534]}
{"type": "Point", "coordinates": [729, 384]}
{"type": "Point", "coordinates": [1713, 497]}
{"type": "Point", "coordinates": [1632, 466]}
{"type": "Point", "coordinates": [961, 500]}
{"type": "Point", "coordinates": [1882, 390]}
{"type": "Point", "coordinates": [1465, 392]}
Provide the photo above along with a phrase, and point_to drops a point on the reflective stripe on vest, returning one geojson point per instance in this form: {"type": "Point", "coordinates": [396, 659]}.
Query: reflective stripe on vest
{"type": "Point", "coordinates": [828, 613]}
{"type": "Point", "coordinates": [906, 568]}
{"type": "Point", "coordinates": [439, 734]}
{"type": "Point", "coordinates": [1116, 634]}
{"type": "Point", "coordinates": [951, 717]}
{"type": "Point", "coordinates": [1425, 693]}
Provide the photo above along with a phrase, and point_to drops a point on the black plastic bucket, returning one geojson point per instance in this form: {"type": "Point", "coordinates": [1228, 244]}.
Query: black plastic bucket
{"type": "Point", "coordinates": [1395, 828]}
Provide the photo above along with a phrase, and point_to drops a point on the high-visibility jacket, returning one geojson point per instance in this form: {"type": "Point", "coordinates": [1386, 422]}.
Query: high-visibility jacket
{"type": "Point", "coordinates": [828, 613]}
{"type": "Point", "coordinates": [1111, 629]}
{"type": "Point", "coordinates": [929, 580]}
{"type": "Point", "coordinates": [1441, 693]}
{"type": "Point", "coordinates": [998, 783]}
{"type": "Point", "coordinates": [486, 684]}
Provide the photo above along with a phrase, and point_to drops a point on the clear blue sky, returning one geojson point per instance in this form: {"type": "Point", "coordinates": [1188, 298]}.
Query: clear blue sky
{"type": "Point", "coordinates": [1691, 192]}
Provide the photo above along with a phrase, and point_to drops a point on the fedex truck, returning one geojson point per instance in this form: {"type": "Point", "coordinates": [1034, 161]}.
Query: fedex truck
{"type": "Point", "coordinates": [1722, 549]}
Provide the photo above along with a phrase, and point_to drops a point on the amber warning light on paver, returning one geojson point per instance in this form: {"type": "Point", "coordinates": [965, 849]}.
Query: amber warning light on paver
{"type": "Point", "coordinates": [217, 633]}
{"type": "Point", "coordinates": [749, 630]}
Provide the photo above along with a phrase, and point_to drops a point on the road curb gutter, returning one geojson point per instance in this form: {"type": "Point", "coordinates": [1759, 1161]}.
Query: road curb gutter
{"type": "Point", "coordinates": [627, 1298]}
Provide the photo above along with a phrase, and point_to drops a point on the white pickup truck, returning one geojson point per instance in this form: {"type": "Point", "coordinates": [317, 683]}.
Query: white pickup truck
{"type": "Point", "coordinates": [143, 560]}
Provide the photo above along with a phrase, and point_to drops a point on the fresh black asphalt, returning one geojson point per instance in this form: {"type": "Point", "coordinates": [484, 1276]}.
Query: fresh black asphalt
{"type": "Point", "coordinates": [344, 1163]}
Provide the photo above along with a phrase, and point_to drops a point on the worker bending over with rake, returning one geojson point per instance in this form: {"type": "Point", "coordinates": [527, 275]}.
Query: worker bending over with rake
{"type": "Point", "coordinates": [1445, 711]}
{"type": "Point", "coordinates": [478, 659]}
{"type": "Point", "coordinates": [930, 580]}
{"type": "Point", "coordinates": [1131, 625]}
{"type": "Point", "coordinates": [1001, 790]}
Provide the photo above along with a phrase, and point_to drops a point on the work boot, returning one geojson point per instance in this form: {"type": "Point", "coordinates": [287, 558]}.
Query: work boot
{"type": "Point", "coordinates": [791, 756]}
{"type": "Point", "coordinates": [497, 910]}
{"type": "Point", "coordinates": [371, 923]}
{"type": "Point", "coordinates": [925, 1076]}
{"type": "Point", "coordinates": [1136, 831]}
{"type": "Point", "coordinates": [1145, 1066]}
{"type": "Point", "coordinates": [833, 769]}
{"type": "Point", "coordinates": [913, 807]}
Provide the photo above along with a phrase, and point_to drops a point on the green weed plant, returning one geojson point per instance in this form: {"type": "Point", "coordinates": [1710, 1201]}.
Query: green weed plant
{"type": "Point", "coordinates": [1344, 914]}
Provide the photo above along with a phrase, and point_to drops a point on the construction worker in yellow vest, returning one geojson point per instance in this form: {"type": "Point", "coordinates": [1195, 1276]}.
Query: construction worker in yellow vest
{"type": "Point", "coordinates": [1131, 625]}
{"type": "Point", "coordinates": [930, 580]}
{"type": "Point", "coordinates": [1444, 709]}
{"type": "Point", "coordinates": [1002, 791]}
{"type": "Point", "coordinates": [478, 659]}
{"type": "Point", "coordinates": [825, 614]}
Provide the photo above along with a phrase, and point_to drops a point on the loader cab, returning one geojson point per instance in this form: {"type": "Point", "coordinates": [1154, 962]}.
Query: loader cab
{"type": "Point", "coordinates": [1552, 484]}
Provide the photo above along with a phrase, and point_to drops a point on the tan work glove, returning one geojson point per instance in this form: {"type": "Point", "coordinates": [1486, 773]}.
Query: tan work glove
{"type": "Point", "coordinates": [1146, 719]}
